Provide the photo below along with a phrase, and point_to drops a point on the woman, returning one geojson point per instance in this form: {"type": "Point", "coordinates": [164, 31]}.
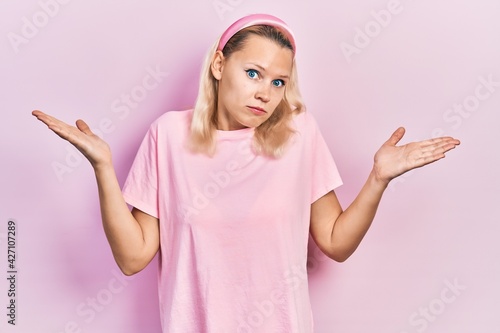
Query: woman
{"type": "Point", "coordinates": [229, 191]}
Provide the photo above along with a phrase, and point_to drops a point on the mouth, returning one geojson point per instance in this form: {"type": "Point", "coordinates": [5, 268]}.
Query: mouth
{"type": "Point", "coordinates": [256, 110]}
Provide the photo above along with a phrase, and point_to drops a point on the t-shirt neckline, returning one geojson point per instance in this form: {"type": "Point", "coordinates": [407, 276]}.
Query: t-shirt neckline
{"type": "Point", "coordinates": [235, 134]}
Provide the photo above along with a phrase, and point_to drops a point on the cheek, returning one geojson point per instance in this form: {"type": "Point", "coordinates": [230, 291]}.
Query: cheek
{"type": "Point", "coordinates": [278, 97]}
{"type": "Point", "coordinates": [236, 87]}
{"type": "Point", "coordinates": [243, 86]}
{"type": "Point", "coordinates": [227, 90]}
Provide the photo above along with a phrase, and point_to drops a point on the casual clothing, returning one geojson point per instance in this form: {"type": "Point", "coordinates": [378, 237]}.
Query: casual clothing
{"type": "Point", "coordinates": [234, 227]}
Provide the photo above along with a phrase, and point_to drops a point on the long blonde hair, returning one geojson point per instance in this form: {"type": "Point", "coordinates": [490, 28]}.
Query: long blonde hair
{"type": "Point", "coordinates": [271, 137]}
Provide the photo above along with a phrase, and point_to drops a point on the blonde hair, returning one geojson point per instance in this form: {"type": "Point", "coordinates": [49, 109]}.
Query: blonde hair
{"type": "Point", "coordinates": [271, 137]}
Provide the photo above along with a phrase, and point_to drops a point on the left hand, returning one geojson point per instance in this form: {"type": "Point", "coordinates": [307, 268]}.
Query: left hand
{"type": "Point", "coordinates": [392, 161]}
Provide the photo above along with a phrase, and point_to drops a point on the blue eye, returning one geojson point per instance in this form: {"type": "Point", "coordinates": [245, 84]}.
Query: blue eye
{"type": "Point", "coordinates": [252, 73]}
{"type": "Point", "coordinates": [278, 83]}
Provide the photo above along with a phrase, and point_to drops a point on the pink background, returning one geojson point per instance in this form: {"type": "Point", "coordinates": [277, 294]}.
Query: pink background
{"type": "Point", "coordinates": [430, 262]}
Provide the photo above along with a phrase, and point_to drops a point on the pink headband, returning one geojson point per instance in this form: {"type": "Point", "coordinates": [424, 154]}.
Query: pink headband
{"type": "Point", "coordinates": [256, 19]}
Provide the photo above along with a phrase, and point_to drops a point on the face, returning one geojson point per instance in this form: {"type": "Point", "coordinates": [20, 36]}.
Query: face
{"type": "Point", "coordinates": [251, 82]}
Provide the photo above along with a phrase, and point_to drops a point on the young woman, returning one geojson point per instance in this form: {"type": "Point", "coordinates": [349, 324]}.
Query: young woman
{"type": "Point", "coordinates": [229, 191]}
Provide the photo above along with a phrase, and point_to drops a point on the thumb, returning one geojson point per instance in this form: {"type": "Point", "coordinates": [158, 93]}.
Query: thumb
{"type": "Point", "coordinates": [396, 136]}
{"type": "Point", "coordinates": [82, 126]}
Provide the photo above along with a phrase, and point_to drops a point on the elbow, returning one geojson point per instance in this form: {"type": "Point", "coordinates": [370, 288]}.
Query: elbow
{"type": "Point", "coordinates": [339, 255]}
{"type": "Point", "coordinates": [130, 265]}
{"type": "Point", "coordinates": [342, 258]}
{"type": "Point", "coordinates": [339, 258]}
{"type": "Point", "coordinates": [128, 271]}
{"type": "Point", "coordinates": [130, 268]}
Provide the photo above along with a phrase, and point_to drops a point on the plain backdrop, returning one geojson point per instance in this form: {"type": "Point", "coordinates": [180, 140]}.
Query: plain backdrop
{"type": "Point", "coordinates": [428, 264]}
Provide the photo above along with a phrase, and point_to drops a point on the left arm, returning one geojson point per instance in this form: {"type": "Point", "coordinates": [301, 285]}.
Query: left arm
{"type": "Point", "coordinates": [337, 232]}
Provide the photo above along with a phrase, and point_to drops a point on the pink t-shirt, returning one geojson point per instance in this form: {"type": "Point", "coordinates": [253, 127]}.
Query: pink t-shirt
{"type": "Point", "coordinates": [234, 228]}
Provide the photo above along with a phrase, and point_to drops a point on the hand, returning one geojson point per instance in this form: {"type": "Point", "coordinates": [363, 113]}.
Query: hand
{"type": "Point", "coordinates": [392, 161]}
{"type": "Point", "coordinates": [90, 145]}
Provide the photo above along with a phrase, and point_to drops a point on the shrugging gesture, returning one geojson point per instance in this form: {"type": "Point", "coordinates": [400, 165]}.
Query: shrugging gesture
{"type": "Point", "coordinates": [89, 144]}
{"type": "Point", "coordinates": [337, 232]}
{"type": "Point", "coordinates": [248, 81]}
{"type": "Point", "coordinates": [133, 236]}
{"type": "Point", "coordinates": [392, 161]}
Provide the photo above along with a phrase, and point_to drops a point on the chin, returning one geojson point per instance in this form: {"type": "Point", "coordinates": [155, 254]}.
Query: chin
{"type": "Point", "coordinates": [256, 121]}
{"type": "Point", "coordinates": [254, 124]}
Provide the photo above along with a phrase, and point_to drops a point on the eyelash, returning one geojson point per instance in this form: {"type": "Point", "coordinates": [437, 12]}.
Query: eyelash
{"type": "Point", "coordinates": [248, 71]}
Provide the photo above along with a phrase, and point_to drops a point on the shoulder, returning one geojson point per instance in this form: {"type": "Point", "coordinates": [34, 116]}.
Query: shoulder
{"type": "Point", "coordinates": [175, 122]}
{"type": "Point", "coordinates": [173, 119]}
{"type": "Point", "coordinates": [304, 122]}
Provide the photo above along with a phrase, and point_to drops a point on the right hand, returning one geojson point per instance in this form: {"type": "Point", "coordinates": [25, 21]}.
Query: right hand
{"type": "Point", "coordinates": [89, 144]}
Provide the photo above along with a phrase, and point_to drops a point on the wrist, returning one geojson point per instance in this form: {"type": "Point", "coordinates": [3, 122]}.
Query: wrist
{"type": "Point", "coordinates": [103, 167]}
{"type": "Point", "coordinates": [378, 181]}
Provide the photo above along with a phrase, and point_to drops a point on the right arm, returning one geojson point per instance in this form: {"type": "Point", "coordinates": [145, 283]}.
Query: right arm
{"type": "Point", "coordinates": [134, 236]}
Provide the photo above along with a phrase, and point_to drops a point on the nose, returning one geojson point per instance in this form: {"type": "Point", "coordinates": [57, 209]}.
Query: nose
{"type": "Point", "coordinates": [263, 92]}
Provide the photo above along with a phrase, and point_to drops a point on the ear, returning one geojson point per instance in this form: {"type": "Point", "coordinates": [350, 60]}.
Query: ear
{"type": "Point", "coordinates": [217, 65]}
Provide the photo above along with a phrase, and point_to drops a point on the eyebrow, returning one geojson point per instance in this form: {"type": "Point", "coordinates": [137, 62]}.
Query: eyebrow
{"type": "Point", "coordinates": [264, 70]}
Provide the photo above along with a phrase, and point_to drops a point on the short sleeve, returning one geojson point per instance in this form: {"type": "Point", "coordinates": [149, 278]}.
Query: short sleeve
{"type": "Point", "coordinates": [141, 186]}
{"type": "Point", "coordinates": [325, 175]}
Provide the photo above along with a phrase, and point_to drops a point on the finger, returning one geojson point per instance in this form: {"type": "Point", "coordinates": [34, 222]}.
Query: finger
{"type": "Point", "coordinates": [440, 140]}
{"type": "Point", "coordinates": [59, 127]}
{"type": "Point", "coordinates": [43, 117]}
{"type": "Point", "coordinates": [82, 126]}
{"type": "Point", "coordinates": [48, 120]}
{"type": "Point", "coordinates": [36, 113]}
{"type": "Point", "coordinates": [426, 158]}
{"type": "Point", "coordinates": [429, 156]}
{"type": "Point", "coordinates": [442, 149]}
{"type": "Point", "coordinates": [396, 136]}
{"type": "Point", "coordinates": [445, 144]}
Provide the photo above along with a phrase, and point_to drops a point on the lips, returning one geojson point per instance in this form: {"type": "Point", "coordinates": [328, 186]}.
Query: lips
{"type": "Point", "coordinates": [256, 110]}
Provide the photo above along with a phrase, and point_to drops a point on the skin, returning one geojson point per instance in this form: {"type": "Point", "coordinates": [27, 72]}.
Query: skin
{"type": "Point", "coordinates": [337, 232]}
{"type": "Point", "coordinates": [134, 235]}
{"type": "Point", "coordinates": [256, 77]}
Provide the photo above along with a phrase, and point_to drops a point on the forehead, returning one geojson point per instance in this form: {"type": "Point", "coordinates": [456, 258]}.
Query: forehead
{"type": "Point", "coordinates": [265, 53]}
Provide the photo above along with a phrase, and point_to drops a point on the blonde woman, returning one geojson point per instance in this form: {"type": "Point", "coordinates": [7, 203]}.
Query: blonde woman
{"type": "Point", "coordinates": [229, 191]}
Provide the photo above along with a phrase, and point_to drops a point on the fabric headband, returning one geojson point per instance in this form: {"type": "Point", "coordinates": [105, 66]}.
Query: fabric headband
{"type": "Point", "coordinates": [256, 19]}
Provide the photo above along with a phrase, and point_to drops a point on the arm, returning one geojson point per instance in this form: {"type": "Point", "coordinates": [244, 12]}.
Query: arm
{"type": "Point", "coordinates": [133, 236]}
{"type": "Point", "coordinates": [338, 233]}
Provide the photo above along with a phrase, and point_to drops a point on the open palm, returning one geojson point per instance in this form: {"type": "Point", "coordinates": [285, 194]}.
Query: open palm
{"type": "Point", "coordinates": [89, 144]}
{"type": "Point", "coordinates": [392, 161]}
